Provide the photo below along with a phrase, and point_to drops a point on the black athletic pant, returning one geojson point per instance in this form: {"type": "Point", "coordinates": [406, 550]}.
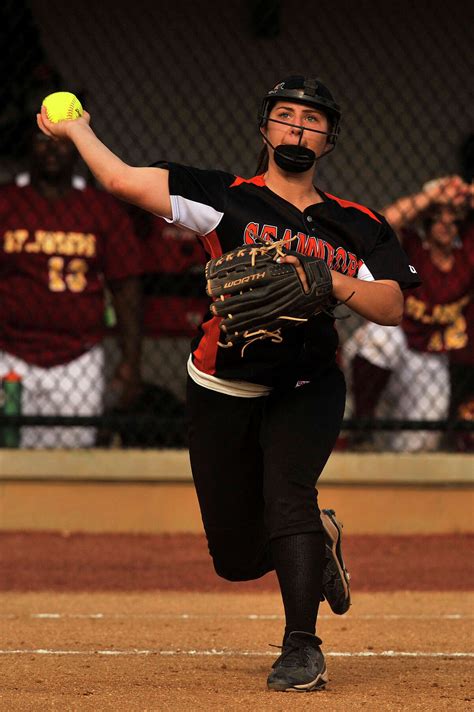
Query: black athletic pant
{"type": "Point", "coordinates": [255, 463]}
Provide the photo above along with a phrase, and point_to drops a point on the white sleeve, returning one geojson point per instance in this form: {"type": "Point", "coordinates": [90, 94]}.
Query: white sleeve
{"type": "Point", "coordinates": [365, 274]}
{"type": "Point", "coordinates": [194, 216]}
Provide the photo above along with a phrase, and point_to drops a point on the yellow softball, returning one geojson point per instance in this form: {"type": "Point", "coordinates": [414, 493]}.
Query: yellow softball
{"type": "Point", "coordinates": [62, 105]}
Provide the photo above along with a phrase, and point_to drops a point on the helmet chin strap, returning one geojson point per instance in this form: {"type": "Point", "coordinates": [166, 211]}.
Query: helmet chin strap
{"type": "Point", "coordinates": [294, 158]}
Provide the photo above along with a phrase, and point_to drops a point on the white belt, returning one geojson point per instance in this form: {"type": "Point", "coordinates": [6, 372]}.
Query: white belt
{"type": "Point", "coordinates": [241, 389]}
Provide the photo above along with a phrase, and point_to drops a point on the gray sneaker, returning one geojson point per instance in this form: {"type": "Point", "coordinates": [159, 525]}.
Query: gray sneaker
{"type": "Point", "coordinates": [301, 666]}
{"type": "Point", "coordinates": [336, 578]}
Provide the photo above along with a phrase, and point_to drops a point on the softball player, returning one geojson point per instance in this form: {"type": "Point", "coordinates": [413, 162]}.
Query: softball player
{"type": "Point", "coordinates": [263, 421]}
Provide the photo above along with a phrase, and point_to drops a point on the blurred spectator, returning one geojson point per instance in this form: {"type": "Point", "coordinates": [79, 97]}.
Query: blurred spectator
{"type": "Point", "coordinates": [62, 244]}
{"type": "Point", "coordinates": [26, 75]}
{"type": "Point", "coordinates": [173, 280]}
{"type": "Point", "coordinates": [452, 191]}
{"type": "Point", "coordinates": [410, 364]}
{"type": "Point", "coordinates": [156, 419]}
{"type": "Point", "coordinates": [173, 306]}
{"type": "Point", "coordinates": [461, 364]}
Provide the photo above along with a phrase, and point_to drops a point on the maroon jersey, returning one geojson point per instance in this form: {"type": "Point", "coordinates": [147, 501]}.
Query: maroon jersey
{"type": "Point", "coordinates": [436, 314]}
{"type": "Point", "coordinates": [54, 258]}
{"type": "Point", "coordinates": [465, 355]}
{"type": "Point", "coordinates": [175, 302]}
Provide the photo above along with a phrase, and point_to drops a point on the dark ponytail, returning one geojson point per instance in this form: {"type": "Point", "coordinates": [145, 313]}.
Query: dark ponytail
{"type": "Point", "coordinates": [262, 161]}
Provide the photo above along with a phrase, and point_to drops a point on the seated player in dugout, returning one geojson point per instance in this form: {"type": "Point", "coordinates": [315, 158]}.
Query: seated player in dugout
{"type": "Point", "coordinates": [63, 242]}
{"type": "Point", "coordinates": [263, 421]}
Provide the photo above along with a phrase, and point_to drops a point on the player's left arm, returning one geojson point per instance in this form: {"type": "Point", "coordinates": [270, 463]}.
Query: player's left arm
{"type": "Point", "coordinates": [380, 301]}
{"type": "Point", "coordinates": [127, 301]}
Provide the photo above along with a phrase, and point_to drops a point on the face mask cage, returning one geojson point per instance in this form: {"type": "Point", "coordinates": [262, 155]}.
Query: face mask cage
{"type": "Point", "coordinates": [310, 95]}
{"type": "Point", "coordinates": [332, 134]}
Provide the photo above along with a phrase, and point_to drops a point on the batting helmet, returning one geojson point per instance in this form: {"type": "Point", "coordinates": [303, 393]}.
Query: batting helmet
{"type": "Point", "coordinates": [303, 90]}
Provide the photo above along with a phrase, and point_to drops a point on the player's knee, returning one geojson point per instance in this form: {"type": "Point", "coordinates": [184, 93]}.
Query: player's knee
{"type": "Point", "coordinates": [239, 556]}
{"type": "Point", "coordinates": [235, 567]}
{"type": "Point", "coordinates": [230, 571]}
{"type": "Point", "coordinates": [284, 513]}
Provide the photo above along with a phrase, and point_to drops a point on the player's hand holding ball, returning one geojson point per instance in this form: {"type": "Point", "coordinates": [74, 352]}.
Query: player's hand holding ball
{"type": "Point", "coordinates": [58, 112]}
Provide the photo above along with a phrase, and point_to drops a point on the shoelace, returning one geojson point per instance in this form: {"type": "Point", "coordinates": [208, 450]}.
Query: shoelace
{"type": "Point", "coordinates": [291, 654]}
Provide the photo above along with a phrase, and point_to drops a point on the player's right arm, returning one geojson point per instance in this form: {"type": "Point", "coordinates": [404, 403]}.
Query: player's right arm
{"type": "Point", "coordinates": [143, 186]}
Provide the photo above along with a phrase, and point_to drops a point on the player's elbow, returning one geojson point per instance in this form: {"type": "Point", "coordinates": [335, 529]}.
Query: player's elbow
{"type": "Point", "coordinates": [117, 187]}
{"type": "Point", "coordinates": [395, 319]}
{"type": "Point", "coordinates": [389, 312]}
{"type": "Point", "coordinates": [393, 315]}
{"type": "Point", "coordinates": [386, 319]}
{"type": "Point", "coordinates": [398, 309]}
{"type": "Point", "coordinates": [121, 185]}
{"type": "Point", "coordinates": [392, 304]}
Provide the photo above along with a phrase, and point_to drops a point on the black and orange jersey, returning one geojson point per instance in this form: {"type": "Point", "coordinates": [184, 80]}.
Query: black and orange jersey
{"type": "Point", "coordinates": [228, 211]}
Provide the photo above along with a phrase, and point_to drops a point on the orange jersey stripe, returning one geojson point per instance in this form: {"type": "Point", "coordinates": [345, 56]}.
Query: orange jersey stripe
{"type": "Point", "coordinates": [256, 180]}
{"type": "Point", "coordinates": [349, 204]}
{"type": "Point", "coordinates": [204, 356]}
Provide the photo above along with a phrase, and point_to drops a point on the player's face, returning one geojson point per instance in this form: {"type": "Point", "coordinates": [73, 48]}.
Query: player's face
{"type": "Point", "coordinates": [444, 227]}
{"type": "Point", "coordinates": [52, 158]}
{"type": "Point", "coordinates": [291, 123]}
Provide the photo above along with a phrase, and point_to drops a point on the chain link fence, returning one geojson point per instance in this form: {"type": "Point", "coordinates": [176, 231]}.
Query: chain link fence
{"type": "Point", "coordinates": [99, 301]}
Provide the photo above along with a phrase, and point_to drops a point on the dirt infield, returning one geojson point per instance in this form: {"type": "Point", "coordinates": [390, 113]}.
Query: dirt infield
{"type": "Point", "coordinates": [35, 561]}
{"type": "Point", "coordinates": [142, 624]}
